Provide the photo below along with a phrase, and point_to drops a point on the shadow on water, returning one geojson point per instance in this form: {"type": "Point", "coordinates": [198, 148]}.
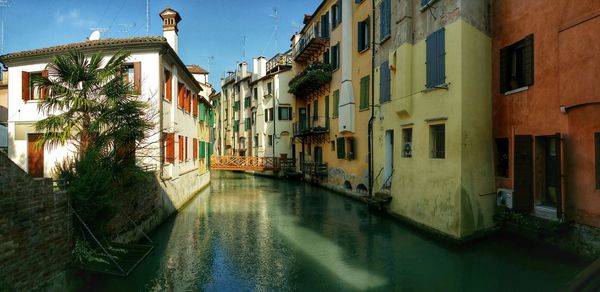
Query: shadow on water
{"type": "Point", "coordinates": [250, 233]}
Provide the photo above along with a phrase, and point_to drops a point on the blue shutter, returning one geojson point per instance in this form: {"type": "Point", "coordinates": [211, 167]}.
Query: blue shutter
{"type": "Point", "coordinates": [436, 59]}
{"type": "Point", "coordinates": [384, 82]}
{"type": "Point", "coordinates": [361, 36]}
{"type": "Point", "coordinates": [381, 20]}
{"type": "Point", "coordinates": [385, 19]}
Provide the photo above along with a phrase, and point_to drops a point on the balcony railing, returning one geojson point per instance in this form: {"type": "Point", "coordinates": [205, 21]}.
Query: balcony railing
{"type": "Point", "coordinates": [279, 62]}
{"type": "Point", "coordinates": [310, 80]}
{"type": "Point", "coordinates": [314, 168]}
{"type": "Point", "coordinates": [310, 46]}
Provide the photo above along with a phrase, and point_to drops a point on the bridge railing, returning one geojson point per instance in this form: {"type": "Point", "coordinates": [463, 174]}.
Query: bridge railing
{"type": "Point", "coordinates": [244, 163]}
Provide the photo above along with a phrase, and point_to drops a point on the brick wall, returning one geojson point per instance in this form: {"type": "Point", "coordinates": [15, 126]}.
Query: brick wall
{"type": "Point", "coordinates": [36, 235]}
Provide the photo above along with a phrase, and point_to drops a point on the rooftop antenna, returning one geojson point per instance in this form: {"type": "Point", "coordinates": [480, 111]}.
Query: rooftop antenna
{"type": "Point", "coordinates": [3, 5]}
{"type": "Point", "coordinates": [147, 17]}
{"type": "Point", "coordinates": [275, 17]}
{"type": "Point", "coordinates": [244, 47]}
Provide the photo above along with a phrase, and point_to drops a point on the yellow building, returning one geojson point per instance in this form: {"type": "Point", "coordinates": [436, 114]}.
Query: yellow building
{"type": "Point", "coordinates": [330, 122]}
{"type": "Point", "coordinates": [203, 146]}
{"type": "Point", "coordinates": [432, 129]}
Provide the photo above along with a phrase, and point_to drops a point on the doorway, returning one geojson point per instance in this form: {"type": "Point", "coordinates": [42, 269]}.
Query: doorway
{"type": "Point", "coordinates": [389, 159]}
{"type": "Point", "coordinates": [547, 172]}
{"type": "Point", "coordinates": [302, 126]}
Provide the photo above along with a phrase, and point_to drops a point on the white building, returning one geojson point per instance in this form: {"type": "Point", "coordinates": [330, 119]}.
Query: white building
{"type": "Point", "coordinates": [163, 80]}
{"type": "Point", "coordinates": [273, 106]}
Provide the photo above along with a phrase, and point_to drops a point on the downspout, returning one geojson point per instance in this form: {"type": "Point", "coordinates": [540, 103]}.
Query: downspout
{"type": "Point", "coordinates": [372, 119]}
{"type": "Point", "coordinates": [161, 147]}
{"type": "Point", "coordinates": [274, 119]}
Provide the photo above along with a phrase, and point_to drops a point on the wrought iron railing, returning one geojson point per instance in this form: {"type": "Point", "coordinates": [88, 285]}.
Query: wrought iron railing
{"type": "Point", "coordinates": [279, 61]}
{"type": "Point", "coordinates": [309, 36]}
{"type": "Point", "coordinates": [314, 168]}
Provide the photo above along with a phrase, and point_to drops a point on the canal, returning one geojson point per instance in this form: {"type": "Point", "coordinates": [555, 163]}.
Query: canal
{"type": "Point", "coordinates": [249, 233]}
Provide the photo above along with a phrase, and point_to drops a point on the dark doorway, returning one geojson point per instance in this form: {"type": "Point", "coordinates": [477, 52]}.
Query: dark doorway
{"type": "Point", "coordinates": [523, 184]}
{"type": "Point", "coordinates": [548, 174]}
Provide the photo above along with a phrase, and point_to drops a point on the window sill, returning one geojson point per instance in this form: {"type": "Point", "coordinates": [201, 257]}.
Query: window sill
{"type": "Point", "coordinates": [364, 50]}
{"type": "Point", "coordinates": [335, 69]}
{"type": "Point", "coordinates": [520, 89]}
{"type": "Point", "coordinates": [445, 86]}
{"type": "Point", "coordinates": [384, 39]}
{"type": "Point", "coordinates": [164, 99]}
{"type": "Point", "coordinates": [363, 109]}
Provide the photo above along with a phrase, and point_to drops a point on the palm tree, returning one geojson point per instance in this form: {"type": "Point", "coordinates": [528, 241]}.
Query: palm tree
{"type": "Point", "coordinates": [89, 104]}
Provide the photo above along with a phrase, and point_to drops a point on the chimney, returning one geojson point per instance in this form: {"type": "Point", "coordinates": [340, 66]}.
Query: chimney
{"type": "Point", "coordinates": [170, 31]}
{"type": "Point", "coordinates": [243, 69]}
{"type": "Point", "coordinates": [262, 66]}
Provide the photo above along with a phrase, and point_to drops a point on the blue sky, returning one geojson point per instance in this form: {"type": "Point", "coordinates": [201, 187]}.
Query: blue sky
{"type": "Point", "coordinates": [209, 27]}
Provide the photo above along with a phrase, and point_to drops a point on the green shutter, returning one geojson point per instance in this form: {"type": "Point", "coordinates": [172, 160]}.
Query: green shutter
{"type": "Point", "coordinates": [316, 110]}
{"type": "Point", "coordinates": [327, 111]}
{"type": "Point", "coordinates": [364, 92]}
{"type": "Point", "coordinates": [201, 114]}
{"type": "Point", "coordinates": [341, 148]}
{"type": "Point", "coordinates": [336, 103]}
{"type": "Point", "coordinates": [211, 118]}
{"type": "Point", "coordinates": [202, 149]}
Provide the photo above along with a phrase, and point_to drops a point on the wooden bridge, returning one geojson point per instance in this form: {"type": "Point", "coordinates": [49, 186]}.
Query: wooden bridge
{"type": "Point", "coordinates": [244, 163]}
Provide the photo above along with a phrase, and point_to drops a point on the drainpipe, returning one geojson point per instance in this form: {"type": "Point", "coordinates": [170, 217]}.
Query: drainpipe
{"type": "Point", "coordinates": [372, 119]}
{"type": "Point", "coordinates": [274, 119]}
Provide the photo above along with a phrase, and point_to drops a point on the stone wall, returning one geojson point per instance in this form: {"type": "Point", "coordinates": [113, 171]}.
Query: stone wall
{"type": "Point", "coordinates": [36, 235]}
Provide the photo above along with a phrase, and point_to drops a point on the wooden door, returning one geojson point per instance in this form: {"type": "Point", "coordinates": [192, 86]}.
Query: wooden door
{"type": "Point", "coordinates": [35, 156]}
{"type": "Point", "coordinates": [523, 166]}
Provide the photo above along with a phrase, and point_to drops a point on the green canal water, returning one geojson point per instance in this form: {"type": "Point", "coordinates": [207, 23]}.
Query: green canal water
{"type": "Point", "coordinates": [248, 233]}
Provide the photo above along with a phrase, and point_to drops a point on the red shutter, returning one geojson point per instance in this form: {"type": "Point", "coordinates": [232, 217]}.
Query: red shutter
{"type": "Point", "coordinates": [195, 148]}
{"type": "Point", "coordinates": [169, 85]}
{"type": "Point", "coordinates": [137, 77]}
{"type": "Point", "coordinates": [180, 148]}
{"type": "Point", "coordinates": [181, 96]}
{"type": "Point", "coordinates": [44, 91]}
{"type": "Point", "coordinates": [195, 105]}
{"type": "Point", "coordinates": [188, 102]}
{"type": "Point", "coordinates": [170, 145]}
{"type": "Point", "coordinates": [25, 86]}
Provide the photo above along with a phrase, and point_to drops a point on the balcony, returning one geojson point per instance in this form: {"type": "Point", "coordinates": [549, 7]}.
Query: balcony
{"type": "Point", "coordinates": [310, 47]}
{"type": "Point", "coordinates": [314, 168]}
{"type": "Point", "coordinates": [279, 62]}
{"type": "Point", "coordinates": [311, 80]}
{"type": "Point", "coordinates": [312, 131]}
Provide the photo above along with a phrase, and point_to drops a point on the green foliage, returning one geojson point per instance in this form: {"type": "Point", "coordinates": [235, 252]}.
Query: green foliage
{"type": "Point", "coordinates": [313, 77]}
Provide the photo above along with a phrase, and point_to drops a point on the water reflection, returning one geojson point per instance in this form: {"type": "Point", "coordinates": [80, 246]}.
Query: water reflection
{"type": "Point", "coordinates": [249, 233]}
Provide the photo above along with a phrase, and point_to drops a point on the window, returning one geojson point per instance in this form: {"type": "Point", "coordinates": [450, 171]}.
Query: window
{"type": "Point", "coordinates": [269, 88]}
{"type": "Point", "coordinates": [168, 86]}
{"type": "Point", "coordinates": [255, 92]}
{"type": "Point", "coordinates": [438, 141]}
{"type": "Point", "coordinates": [247, 124]}
{"type": "Point", "coordinates": [332, 145]}
{"type": "Point", "coordinates": [384, 82]}
{"type": "Point", "coordinates": [325, 25]}
{"type": "Point", "coordinates": [502, 157]}
{"type": "Point", "coordinates": [247, 102]}
{"type": "Point", "coordinates": [316, 110]}
{"type": "Point", "coordinates": [364, 92]}
{"type": "Point", "coordinates": [341, 148]}
{"type": "Point", "coordinates": [285, 113]}
{"type": "Point", "coordinates": [270, 140]}
{"type": "Point", "coordinates": [336, 13]}
{"type": "Point", "coordinates": [326, 57]}
{"type": "Point", "coordinates": [236, 106]}
{"type": "Point", "coordinates": [335, 57]}
{"type": "Point", "coordinates": [268, 114]}
{"type": "Point", "coordinates": [132, 76]}
{"type": "Point", "coordinates": [436, 59]}
{"type": "Point", "coordinates": [336, 103]}
{"type": "Point", "coordinates": [597, 142]}
{"type": "Point", "coordinates": [516, 65]}
{"type": "Point", "coordinates": [169, 147]}
{"type": "Point", "coordinates": [363, 35]}
{"type": "Point", "coordinates": [407, 142]}
{"type": "Point", "coordinates": [128, 74]}
{"type": "Point", "coordinates": [256, 141]}
{"type": "Point", "coordinates": [385, 11]}
{"type": "Point", "coordinates": [35, 92]}
{"type": "Point", "coordinates": [181, 154]}
{"type": "Point", "coordinates": [351, 148]}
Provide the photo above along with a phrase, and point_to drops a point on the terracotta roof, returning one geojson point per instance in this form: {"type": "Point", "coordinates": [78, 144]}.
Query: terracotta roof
{"type": "Point", "coordinates": [89, 44]}
{"type": "Point", "coordinates": [195, 69]}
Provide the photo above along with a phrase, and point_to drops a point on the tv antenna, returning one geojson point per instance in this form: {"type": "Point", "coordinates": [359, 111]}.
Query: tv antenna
{"type": "Point", "coordinates": [3, 5]}
{"type": "Point", "coordinates": [147, 17]}
{"type": "Point", "coordinates": [244, 47]}
{"type": "Point", "coordinates": [275, 17]}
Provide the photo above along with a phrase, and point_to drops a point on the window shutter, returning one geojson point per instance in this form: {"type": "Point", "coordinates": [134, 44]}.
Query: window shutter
{"type": "Point", "coordinates": [336, 103]}
{"type": "Point", "coordinates": [341, 148]}
{"type": "Point", "coordinates": [195, 148]}
{"type": "Point", "coordinates": [212, 119]}
{"type": "Point", "coordinates": [326, 111]}
{"type": "Point", "coordinates": [384, 82]}
{"type": "Point", "coordinates": [186, 148]}
{"type": "Point", "coordinates": [279, 115]}
{"type": "Point", "coordinates": [180, 148]}
{"type": "Point", "coordinates": [316, 110]}
{"type": "Point", "coordinates": [326, 57]}
{"type": "Point", "coordinates": [44, 92]}
{"type": "Point", "coordinates": [169, 86]}
{"type": "Point", "coordinates": [25, 86]}
{"type": "Point", "coordinates": [195, 105]}
{"type": "Point", "coordinates": [324, 26]}
{"type": "Point", "coordinates": [597, 160]}
{"type": "Point", "coordinates": [202, 149]}
{"type": "Point", "coordinates": [170, 148]}
{"type": "Point", "coordinates": [504, 69]}
{"type": "Point", "coordinates": [435, 59]}
{"type": "Point", "coordinates": [137, 77]}
{"type": "Point", "coordinates": [339, 7]}
{"type": "Point", "coordinates": [528, 60]}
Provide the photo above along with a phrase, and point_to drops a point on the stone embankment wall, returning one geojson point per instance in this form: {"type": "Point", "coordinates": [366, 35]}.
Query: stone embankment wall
{"type": "Point", "coordinates": [36, 235]}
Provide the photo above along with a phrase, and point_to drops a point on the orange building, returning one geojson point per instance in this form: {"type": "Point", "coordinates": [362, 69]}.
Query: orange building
{"type": "Point", "coordinates": [546, 106]}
